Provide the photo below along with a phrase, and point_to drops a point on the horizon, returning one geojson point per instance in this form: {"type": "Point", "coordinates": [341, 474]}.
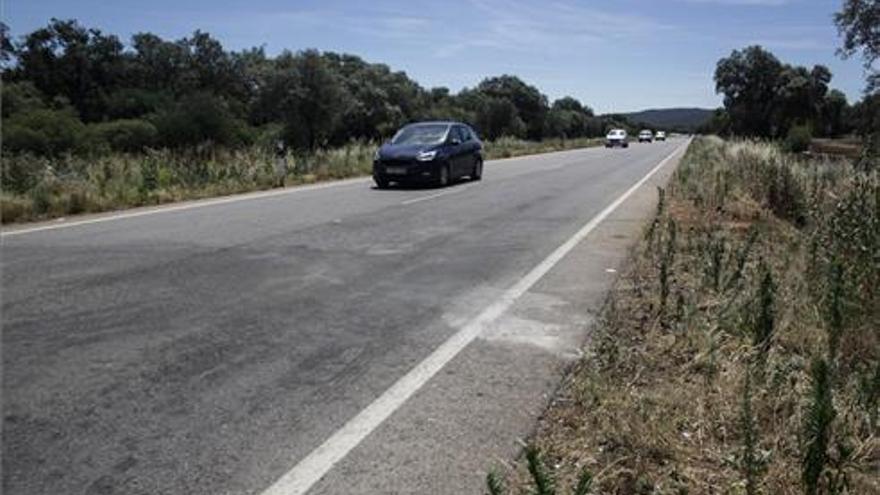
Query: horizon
{"type": "Point", "coordinates": [511, 38]}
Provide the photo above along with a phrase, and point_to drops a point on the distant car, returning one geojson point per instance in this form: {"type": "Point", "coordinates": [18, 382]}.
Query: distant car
{"type": "Point", "coordinates": [646, 136]}
{"type": "Point", "coordinates": [615, 138]}
{"type": "Point", "coordinates": [429, 152]}
{"type": "Point", "coordinates": [660, 136]}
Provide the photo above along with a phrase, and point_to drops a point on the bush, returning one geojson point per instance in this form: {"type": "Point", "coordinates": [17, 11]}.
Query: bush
{"type": "Point", "coordinates": [199, 119]}
{"type": "Point", "coordinates": [121, 135]}
{"type": "Point", "coordinates": [798, 139]}
{"type": "Point", "coordinates": [44, 132]}
{"type": "Point", "coordinates": [21, 173]}
{"type": "Point", "coordinates": [21, 97]}
{"type": "Point", "coordinates": [132, 103]}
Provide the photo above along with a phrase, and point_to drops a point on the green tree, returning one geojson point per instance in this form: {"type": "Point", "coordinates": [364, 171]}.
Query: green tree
{"type": "Point", "coordinates": [197, 119]}
{"type": "Point", "coordinates": [7, 49]}
{"type": "Point", "coordinates": [834, 114]}
{"type": "Point", "coordinates": [749, 79]}
{"type": "Point", "coordinates": [66, 59]}
{"type": "Point", "coordinates": [800, 95]}
{"type": "Point", "coordinates": [859, 24]}
{"type": "Point", "coordinates": [531, 106]}
{"type": "Point", "coordinates": [498, 117]}
{"type": "Point", "coordinates": [311, 99]}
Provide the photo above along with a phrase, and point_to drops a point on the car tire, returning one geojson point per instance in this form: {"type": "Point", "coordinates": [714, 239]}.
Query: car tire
{"type": "Point", "coordinates": [477, 174]}
{"type": "Point", "coordinates": [443, 177]}
{"type": "Point", "coordinates": [381, 182]}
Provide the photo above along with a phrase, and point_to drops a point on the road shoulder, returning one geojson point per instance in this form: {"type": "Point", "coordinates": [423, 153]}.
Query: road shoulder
{"type": "Point", "coordinates": [477, 411]}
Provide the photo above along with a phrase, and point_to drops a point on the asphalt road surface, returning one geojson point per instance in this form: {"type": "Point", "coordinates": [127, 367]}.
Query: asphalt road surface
{"type": "Point", "coordinates": [210, 348]}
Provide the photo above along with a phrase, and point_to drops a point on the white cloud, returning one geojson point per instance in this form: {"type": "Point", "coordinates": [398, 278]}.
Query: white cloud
{"type": "Point", "coordinates": [517, 25]}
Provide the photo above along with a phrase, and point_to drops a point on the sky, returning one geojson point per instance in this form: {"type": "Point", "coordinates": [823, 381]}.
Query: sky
{"type": "Point", "coordinates": [615, 56]}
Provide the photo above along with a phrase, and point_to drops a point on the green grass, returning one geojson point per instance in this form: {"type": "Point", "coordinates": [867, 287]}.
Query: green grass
{"type": "Point", "coordinates": [39, 188]}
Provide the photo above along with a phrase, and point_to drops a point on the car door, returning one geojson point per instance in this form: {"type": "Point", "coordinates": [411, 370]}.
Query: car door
{"type": "Point", "coordinates": [471, 150]}
{"type": "Point", "coordinates": [456, 152]}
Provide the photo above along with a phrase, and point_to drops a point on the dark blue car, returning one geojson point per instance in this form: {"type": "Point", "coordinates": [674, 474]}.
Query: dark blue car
{"type": "Point", "coordinates": [429, 153]}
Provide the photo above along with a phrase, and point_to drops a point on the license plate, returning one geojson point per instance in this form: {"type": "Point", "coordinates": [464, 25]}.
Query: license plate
{"type": "Point", "coordinates": [395, 170]}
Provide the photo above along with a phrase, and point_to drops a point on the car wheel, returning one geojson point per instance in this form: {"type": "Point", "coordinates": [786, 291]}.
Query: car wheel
{"type": "Point", "coordinates": [381, 182]}
{"type": "Point", "coordinates": [443, 177]}
{"type": "Point", "coordinates": [478, 171]}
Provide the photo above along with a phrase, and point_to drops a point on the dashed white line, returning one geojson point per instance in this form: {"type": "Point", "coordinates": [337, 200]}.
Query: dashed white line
{"type": "Point", "coordinates": [316, 464]}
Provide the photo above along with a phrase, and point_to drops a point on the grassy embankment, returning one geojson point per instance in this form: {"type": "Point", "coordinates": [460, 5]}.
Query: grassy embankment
{"type": "Point", "coordinates": [740, 351]}
{"type": "Point", "coordinates": [35, 188]}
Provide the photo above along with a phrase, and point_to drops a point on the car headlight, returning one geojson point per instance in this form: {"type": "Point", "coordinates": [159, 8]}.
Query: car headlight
{"type": "Point", "coordinates": [377, 156]}
{"type": "Point", "coordinates": [426, 156]}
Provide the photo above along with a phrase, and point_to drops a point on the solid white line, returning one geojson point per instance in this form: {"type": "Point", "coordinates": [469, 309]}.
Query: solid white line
{"type": "Point", "coordinates": [437, 195]}
{"type": "Point", "coordinates": [184, 206]}
{"type": "Point", "coordinates": [314, 466]}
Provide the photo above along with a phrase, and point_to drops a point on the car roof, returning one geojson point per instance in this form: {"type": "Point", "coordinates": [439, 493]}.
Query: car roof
{"type": "Point", "coordinates": [435, 122]}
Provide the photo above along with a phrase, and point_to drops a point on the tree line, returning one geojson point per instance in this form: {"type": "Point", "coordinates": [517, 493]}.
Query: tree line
{"type": "Point", "coordinates": [69, 88]}
{"type": "Point", "coordinates": [765, 97]}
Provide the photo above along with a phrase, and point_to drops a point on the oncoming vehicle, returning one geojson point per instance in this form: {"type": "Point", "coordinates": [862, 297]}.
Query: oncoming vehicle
{"type": "Point", "coordinates": [660, 136]}
{"type": "Point", "coordinates": [429, 152]}
{"type": "Point", "coordinates": [615, 138]}
{"type": "Point", "coordinates": [646, 136]}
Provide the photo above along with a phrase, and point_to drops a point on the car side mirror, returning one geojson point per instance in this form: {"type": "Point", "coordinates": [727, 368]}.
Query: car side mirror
{"type": "Point", "coordinates": [454, 141]}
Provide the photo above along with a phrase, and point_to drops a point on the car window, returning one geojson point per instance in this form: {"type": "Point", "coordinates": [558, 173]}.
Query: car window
{"type": "Point", "coordinates": [465, 134]}
{"type": "Point", "coordinates": [458, 134]}
{"type": "Point", "coordinates": [422, 134]}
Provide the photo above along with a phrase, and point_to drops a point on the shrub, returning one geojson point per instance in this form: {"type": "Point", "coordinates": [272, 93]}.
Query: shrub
{"type": "Point", "coordinates": [21, 173]}
{"type": "Point", "coordinates": [819, 415]}
{"type": "Point", "coordinates": [196, 120]}
{"type": "Point", "coordinates": [798, 139]}
{"type": "Point", "coordinates": [133, 102]}
{"type": "Point", "coordinates": [785, 194]}
{"type": "Point", "coordinates": [121, 135]}
{"type": "Point", "coordinates": [21, 97]}
{"type": "Point", "coordinates": [44, 132]}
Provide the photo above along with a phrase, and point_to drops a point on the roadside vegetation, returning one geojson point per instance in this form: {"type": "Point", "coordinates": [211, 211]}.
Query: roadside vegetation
{"type": "Point", "coordinates": [740, 352]}
{"type": "Point", "coordinates": [36, 187]}
{"type": "Point", "coordinates": [91, 123]}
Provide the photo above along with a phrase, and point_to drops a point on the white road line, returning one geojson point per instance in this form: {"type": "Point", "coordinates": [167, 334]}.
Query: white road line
{"type": "Point", "coordinates": [184, 206]}
{"type": "Point", "coordinates": [314, 466]}
{"type": "Point", "coordinates": [437, 195]}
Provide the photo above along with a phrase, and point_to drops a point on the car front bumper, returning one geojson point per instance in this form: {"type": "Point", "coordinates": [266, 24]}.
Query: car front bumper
{"type": "Point", "coordinates": [407, 170]}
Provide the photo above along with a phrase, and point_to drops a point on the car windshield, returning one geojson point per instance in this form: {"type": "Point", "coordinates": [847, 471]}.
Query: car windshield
{"type": "Point", "coordinates": [421, 134]}
{"type": "Point", "coordinates": [615, 133]}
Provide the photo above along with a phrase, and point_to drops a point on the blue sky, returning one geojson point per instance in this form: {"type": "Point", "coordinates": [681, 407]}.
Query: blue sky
{"type": "Point", "coordinates": [619, 55]}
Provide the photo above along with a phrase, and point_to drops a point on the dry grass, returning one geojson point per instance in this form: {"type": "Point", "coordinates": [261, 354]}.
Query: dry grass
{"type": "Point", "coordinates": [511, 147]}
{"type": "Point", "coordinates": [711, 390]}
{"type": "Point", "coordinates": [38, 188]}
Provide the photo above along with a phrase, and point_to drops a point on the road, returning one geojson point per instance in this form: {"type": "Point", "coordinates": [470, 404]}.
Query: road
{"type": "Point", "coordinates": [212, 347]}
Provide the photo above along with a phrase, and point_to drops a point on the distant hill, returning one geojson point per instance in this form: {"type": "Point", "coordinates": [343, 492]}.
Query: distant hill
{"type": "Point", "coordinates": [682, 119]}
